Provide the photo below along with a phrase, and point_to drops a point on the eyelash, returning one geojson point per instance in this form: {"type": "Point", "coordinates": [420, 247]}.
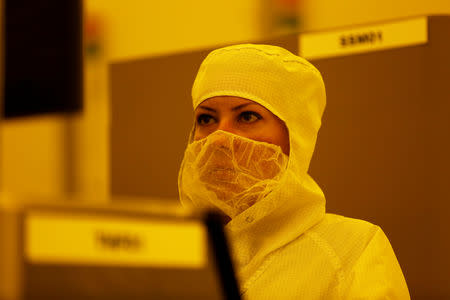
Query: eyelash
{"type": "Point", "coordinates": [203, 119]}
{"type": "Point", "coordinates": [249, 113]}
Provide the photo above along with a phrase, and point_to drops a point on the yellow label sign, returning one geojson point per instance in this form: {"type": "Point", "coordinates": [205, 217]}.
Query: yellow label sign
{"type": "Point", "coordinates": [72, 239]}
{"type": "Point", "coordinates": [364, 39]}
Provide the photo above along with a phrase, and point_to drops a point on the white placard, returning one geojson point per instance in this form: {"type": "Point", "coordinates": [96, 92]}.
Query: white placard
{"type": "Point", "coordinates": [361, 39]}
{"type": "Point", "coordinates": [92, 240]}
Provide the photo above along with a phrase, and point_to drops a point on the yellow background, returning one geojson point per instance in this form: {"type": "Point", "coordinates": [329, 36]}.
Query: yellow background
{"type": "Point", "coordinates": [52, 156]}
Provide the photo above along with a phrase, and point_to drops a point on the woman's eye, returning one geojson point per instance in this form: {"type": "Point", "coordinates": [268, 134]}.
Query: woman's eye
{"type": "Point", "coordinates": [249, 116]}
{"type": "Point", "coordinates": [205, 119]}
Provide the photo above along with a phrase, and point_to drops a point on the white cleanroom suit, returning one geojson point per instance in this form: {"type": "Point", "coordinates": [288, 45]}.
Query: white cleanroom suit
{"type": "Point", "coordinates": [284, 244]}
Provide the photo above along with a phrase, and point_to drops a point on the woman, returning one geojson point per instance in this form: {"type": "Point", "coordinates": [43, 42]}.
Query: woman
{"type": "Point", "coordinates": [258, 109]}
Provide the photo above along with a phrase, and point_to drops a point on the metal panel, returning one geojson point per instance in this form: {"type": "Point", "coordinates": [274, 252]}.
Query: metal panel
{"type": "Point", "coordinates": [382, 152]}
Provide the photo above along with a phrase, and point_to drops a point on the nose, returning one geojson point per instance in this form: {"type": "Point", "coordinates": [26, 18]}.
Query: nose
{"type": "Point", "coordinates": [227, 125]}
{"type": "Point", "coordinates": [223, 124]}
{"type": "Point", "coordinates": [220, 139]}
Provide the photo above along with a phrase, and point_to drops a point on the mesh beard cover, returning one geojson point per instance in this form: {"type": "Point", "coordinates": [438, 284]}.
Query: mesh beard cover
{"type": "Point", "coordinates": [228, 172]}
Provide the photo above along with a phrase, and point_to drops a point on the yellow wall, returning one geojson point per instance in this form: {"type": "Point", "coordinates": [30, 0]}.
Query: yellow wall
{"type": "Point", "coordinates": [322, 14]}
{"type": "Point", "coordinates": [34, 152]}
{"type": "Point", "coordinates": [32, 156]}
{"type": "Point", "coordinates": [142, 28]}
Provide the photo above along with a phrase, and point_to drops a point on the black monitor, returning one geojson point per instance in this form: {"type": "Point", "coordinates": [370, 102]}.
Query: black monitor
{"type": "Point", "coordinates": [42, 57]}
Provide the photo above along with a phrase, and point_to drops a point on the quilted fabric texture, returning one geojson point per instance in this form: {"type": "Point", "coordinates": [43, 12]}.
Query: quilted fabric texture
{"type": "Point", "coordinates": [284, 245]}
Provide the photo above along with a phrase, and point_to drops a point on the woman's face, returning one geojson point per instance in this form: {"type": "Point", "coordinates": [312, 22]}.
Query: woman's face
{"type": "Point", "coordinates": [242, 117]}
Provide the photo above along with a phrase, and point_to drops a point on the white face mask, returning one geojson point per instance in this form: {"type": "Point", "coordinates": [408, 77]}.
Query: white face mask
{"type": "Point", "coordinates": [229, 172]}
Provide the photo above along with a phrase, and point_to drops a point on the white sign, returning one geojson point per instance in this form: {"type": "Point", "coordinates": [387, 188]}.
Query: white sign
{"type": "Point", "coordinates": [363, 39]}
{"type": "Point", "coordinates": [93, 240]}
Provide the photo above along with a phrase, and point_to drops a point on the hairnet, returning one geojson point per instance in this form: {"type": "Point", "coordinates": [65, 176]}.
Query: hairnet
{"type": "Point", "coordinates": [229, 172]}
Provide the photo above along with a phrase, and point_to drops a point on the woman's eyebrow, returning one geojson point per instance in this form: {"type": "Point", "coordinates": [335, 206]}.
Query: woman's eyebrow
{"type": "Point", "coordinates": [207, 108]}
{"type": "Point", "coordinates": [233, 109]}
{"type": "Point", "coordinates": [241, 106]}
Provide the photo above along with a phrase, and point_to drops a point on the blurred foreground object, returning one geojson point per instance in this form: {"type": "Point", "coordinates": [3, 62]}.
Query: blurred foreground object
{"type": "Point", "coordinates": [131, 250]}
